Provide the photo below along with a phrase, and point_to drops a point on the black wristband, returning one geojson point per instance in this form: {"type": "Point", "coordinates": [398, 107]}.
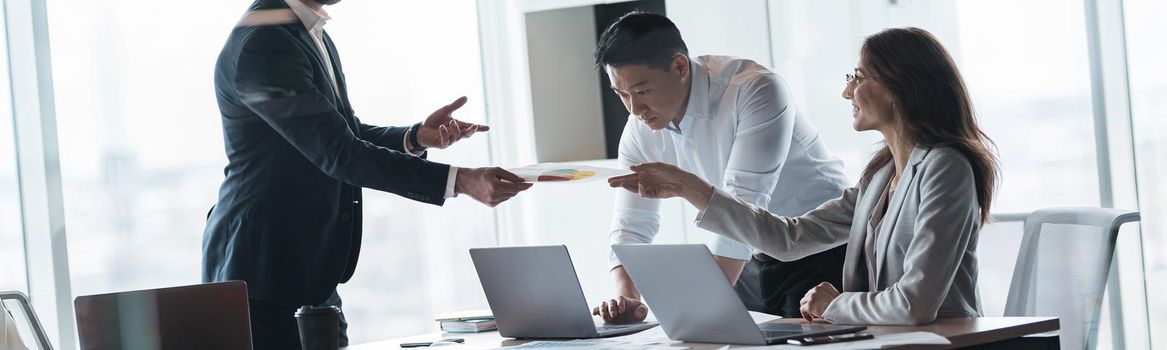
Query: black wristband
{"type": "Point", "coordinates": [413, 130]}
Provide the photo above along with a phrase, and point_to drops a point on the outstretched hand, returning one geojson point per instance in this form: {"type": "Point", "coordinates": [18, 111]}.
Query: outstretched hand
{"type": "Point", "coordinates": [661, 180]}
{"type": "Point", "coordinates": [440, 129]}
{"type": "Point", "coordinates": [490, 186]}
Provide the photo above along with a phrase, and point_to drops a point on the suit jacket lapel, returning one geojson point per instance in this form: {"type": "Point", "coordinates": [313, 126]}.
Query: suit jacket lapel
{"type": "Point", "coordinates": [310, 46]}
{"type": "Point", "coordinates": [894, 205]}
{"type": "Point", "coordinates": [336, 68]}
{"type": "Point", "coordinates": [851, 276]}
{"type": "Point", "coordinates": [340, 98]}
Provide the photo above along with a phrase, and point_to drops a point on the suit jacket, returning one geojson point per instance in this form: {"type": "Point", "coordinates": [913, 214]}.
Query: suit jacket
{"type": "Point", "coordinates": [288, 217]}
{"type": "Point", "coordinates": [925, 258]}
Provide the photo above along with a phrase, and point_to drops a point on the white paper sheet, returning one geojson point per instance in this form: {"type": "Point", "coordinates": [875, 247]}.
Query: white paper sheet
{"type": "Point", "coordinates": [565, 173]}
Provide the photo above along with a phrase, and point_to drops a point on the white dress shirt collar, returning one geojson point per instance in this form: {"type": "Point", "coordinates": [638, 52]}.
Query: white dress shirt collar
{"type": "Point", "coordinates": [313, 20]}
{"type": "Point", "coordinates": [698, 98]}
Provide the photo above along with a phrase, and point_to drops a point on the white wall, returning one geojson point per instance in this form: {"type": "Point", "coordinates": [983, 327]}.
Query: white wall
{"type": "Point", "coordinates": [733, 28]}
{"type": "Point", "coordinates": [565, 93]}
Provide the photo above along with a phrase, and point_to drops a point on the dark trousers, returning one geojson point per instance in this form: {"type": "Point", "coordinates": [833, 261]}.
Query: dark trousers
{"type": "Point", "coordinates": [776, 287]}
{"type": "Point", "coordinates": [273, 326]}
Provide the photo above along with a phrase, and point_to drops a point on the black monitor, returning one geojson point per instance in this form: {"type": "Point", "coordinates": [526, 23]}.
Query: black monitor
{"type": "Point", "coordinates": [204, 316]}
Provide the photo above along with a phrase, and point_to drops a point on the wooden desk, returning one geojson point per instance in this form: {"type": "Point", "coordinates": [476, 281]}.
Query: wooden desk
{"type": "Point", "coordinates": [993, 332]}
{"type": "Point", "coordinates": [965, 332]}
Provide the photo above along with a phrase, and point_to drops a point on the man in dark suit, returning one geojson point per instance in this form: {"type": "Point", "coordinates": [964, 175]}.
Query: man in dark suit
{"type": "Point", "coordinates": [288, 217]}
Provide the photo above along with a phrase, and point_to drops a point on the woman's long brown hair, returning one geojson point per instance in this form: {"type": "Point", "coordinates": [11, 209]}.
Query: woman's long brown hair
{"type": "Point", "coordinates": [932, 101]}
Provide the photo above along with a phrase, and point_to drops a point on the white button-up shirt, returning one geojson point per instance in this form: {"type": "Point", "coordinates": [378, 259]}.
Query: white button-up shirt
{"type": "Point", "coordinates": [742, 133]}
{"type": "Point", "coordinates": [314, 21]}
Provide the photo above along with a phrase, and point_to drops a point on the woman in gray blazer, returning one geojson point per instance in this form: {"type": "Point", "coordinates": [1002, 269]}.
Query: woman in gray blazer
{"type": "Point", "coordinates": [911, 222]}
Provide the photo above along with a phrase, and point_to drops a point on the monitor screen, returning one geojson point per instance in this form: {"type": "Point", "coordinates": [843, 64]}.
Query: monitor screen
{"type": "Point", "coordinates": [205, 316]}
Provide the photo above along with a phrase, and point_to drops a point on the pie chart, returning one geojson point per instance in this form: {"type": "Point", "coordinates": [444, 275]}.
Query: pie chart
{"type": "Point", "coordinates": [565, 175]}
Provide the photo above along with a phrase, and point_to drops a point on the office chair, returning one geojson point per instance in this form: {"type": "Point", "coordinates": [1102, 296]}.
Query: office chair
{"type": "Point", "coordinates": [35, 324]}
{"type": "Point", "coordinates": [1062, 269]}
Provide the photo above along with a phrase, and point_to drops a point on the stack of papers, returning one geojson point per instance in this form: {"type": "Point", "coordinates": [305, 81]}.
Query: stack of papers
{"type": "Point", "coordinates": [469, 326]}
{"type": "Point", "coordinates": [471, 321]}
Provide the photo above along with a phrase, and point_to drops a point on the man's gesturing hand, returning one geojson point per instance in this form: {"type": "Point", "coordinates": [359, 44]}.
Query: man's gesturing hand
{"type": "Point", "coordinates": [440, 129]}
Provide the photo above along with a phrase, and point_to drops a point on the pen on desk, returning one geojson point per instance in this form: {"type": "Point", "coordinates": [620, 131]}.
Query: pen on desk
{"type": "Point", "coordinates": [426, 343]}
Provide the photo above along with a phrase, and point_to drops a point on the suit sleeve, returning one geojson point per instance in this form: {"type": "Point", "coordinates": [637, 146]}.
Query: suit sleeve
{"type": "Point", "coordinates": [275, 80]}
{"type": "Point", "coordinates": [948, 219]}
{"type": "Point", "coordinates": [784, 238]}
{"type": "Point", "coordinates": [391, 137]}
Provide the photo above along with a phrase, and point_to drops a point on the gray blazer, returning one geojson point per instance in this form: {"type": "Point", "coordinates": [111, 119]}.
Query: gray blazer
{"type": "Point", "coordinates": [925, 258]}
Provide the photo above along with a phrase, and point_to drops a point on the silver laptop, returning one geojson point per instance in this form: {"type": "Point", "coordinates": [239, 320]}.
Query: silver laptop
{"type": "Point", "coordinates": [534, 293]}
{"type": "Point", "coordinates": [693, 300]}
{"type": "Point", "coordinates": [204, 316]}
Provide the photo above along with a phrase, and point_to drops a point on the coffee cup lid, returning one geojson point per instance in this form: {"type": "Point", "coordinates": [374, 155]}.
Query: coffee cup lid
{"type": "Point", "coordinates": [317, 310]}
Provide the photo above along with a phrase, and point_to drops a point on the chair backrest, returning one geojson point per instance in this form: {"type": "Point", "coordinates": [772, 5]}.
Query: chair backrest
{"type": "Point", "coordinates": [30, 316]}
{"type": "Point", "coordinates": [1062, 268]}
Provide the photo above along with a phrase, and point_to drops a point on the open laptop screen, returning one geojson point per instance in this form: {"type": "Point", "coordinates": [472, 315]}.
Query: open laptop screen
{"type": "Point", "coordinates": [206, 316]}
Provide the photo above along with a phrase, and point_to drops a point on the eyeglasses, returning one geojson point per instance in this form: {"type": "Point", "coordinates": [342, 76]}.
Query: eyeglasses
{"type": "Point", "coordinates": [855, 78]}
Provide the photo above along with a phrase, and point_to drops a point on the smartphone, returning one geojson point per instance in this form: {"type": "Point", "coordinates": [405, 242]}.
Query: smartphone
{"type": "Point", "coordinates": [827, 339]}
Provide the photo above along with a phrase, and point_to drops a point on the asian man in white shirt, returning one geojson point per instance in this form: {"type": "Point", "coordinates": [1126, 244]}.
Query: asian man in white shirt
{"type": "Point", "coordinates": [732, 122]}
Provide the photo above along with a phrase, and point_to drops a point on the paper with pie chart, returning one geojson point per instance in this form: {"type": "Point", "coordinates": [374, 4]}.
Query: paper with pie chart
{"type": "Point", "coordinates": [565, 173]}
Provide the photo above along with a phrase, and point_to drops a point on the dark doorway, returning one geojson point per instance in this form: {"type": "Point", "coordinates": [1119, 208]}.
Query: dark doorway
{"type": "Point", "coordinates": [615, 115]}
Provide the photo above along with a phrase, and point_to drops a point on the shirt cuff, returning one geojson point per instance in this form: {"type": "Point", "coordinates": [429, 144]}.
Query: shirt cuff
{"type": "Point", "coordinates": [613, 261]}
{"type": "Point", "coordinates": [450, 180]}
{"type": "Point", "coordinates": [701, 214]}
{"type": "Point", "coordinates": [724, 247]}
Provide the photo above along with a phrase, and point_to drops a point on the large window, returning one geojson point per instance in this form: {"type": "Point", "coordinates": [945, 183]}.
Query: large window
{"type": "Point", "coordinates": [1148, 82]}
{"type": "Point", "coordinates": [402, 60]}
{"type": "Point", "coordinates": [12, 260]}
{"type": "Point", "coordinates": [1029, 81]}
{"type": "Point", "coordinates": [1031, 86]}
{"type": "Point", "coordinates": [142, 151]}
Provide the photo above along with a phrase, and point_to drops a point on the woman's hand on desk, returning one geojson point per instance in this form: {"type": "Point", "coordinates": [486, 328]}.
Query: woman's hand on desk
{"type": "Point", "coordinates": [621, 310]}
{"type": "Point", "coordinates": [661, 180]}
{"type": "Point", "coordinates": [817, 300]}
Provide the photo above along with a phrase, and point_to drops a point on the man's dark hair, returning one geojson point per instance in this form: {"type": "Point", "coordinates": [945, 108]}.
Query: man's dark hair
{"type": "Point", "coordinates": [640, 38]}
